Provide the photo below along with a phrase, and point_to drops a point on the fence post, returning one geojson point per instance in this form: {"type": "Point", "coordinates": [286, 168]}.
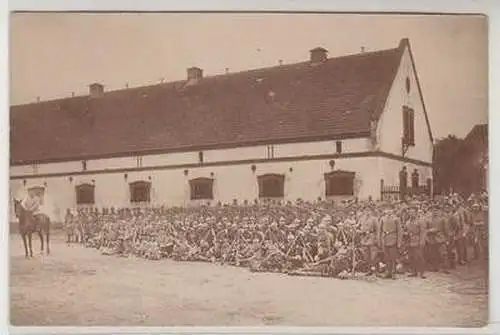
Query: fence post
{"type": "Point", "coordinates": [381, 189]}
{"type": "Point", "coordinates": [429, 187]}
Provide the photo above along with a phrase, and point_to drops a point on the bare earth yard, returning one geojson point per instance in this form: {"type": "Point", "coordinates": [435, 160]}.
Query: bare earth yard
{"type": "Point", "coordinates": [76, 286]}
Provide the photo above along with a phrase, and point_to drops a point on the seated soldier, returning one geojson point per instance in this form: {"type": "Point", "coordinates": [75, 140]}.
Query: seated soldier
{"type": "Point", "coordinates": [32, 203]}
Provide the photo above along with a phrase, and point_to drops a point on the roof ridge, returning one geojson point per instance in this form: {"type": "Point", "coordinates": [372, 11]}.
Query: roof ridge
{"type": "Point", "coordinates": [214, 76]}
{"type": "Point", "coordinates": [322, 102]}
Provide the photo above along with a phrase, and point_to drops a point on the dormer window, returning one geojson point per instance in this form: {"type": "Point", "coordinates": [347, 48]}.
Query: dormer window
{"type": "Point", "coordinates": [318, 55]}
{"type": "Point", "coordinates": [96, 90]}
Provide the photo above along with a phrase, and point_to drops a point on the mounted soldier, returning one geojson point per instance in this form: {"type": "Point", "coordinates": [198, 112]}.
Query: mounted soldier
{"type": "Point", "coordinates": [31, 211]}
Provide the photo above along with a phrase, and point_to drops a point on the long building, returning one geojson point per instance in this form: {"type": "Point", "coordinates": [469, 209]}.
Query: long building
{"type": "Point", "coordinates": [331, 128]}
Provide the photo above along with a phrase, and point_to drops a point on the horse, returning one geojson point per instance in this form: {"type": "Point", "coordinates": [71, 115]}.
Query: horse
{"type": "Point", "coordinates": [29, 224]}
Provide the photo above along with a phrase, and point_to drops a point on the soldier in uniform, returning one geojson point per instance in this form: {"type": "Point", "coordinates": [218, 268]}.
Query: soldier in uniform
{"type": "Point", "coordinates": [461, 236]}
{"type": "Point", "coordinates": [325, 238]}
{"type": "Point", "coordinates": [32, 202]}
{"type": "Point", "coordinates": [370, 241]}
{"type": "Point", "coordinates": [391, 235]}
{"type": "Point", "coordinates": [416, 225]}
{"type": "Point", "coordinates": [450, 231]}
{"type": "Point", "coordinates": [69, 223]}
{"type": "Point", "coordinates": [436, 240]}
{"type": "Point", "coordinates": [479, 231]}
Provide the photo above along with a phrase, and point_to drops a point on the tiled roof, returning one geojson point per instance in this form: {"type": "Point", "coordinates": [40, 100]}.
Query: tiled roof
{"type": "Point", "coordinates": [300, 101]}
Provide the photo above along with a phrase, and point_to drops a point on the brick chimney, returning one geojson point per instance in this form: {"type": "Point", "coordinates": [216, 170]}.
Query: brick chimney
{"type": "Point", "coordinates": [96, 90]}
{"type": "Point", "coordinates": [194, 74]}
{"type": "Point", "coordinates": [318, 55]}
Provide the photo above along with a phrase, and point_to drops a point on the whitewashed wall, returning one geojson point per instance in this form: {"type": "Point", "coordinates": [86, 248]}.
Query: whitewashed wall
{"type": "Point", "coordinates": [171, 186]}
{"type": "Point", "coordinates": [389, 171]}
{"type": "Point", "coordinates": [210, 156]}
{"type": "Point", "coordinates": [390, 128]}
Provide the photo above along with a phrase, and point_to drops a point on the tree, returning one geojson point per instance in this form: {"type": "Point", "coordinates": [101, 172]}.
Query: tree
{"type": "Point", "coordinates": [447, 152]}
{"type": "Point", "coordinates": [459, 166]}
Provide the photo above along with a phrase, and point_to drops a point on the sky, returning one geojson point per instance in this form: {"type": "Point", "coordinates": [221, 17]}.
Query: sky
{"type": "Point", "coordinates": [55, 54]}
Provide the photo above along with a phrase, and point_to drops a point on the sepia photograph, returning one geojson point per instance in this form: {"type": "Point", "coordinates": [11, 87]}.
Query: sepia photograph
{"type": "Point", "coordinates": [248, 169]}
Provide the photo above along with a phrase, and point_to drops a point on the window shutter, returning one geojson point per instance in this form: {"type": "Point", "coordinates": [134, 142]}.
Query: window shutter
{"type": "Point", "coordinates": [406, 125]}
{"type": "Point", "coordinates": [271, 186]}
{"type": "Point", "coordinates": [85, 194]}
{"type": "Point", "coordinates": [411, 121]}
{"type": "Point", "coordinates": [201, 188]}
{"type": "Point", "coordinates": [140, 191]}
{"type": "Point", "coordinates": [339, 183]}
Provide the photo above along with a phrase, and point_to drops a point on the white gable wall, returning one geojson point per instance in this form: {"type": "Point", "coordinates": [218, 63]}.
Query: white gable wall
{"type": "Point", "coordinates": [390, 127]}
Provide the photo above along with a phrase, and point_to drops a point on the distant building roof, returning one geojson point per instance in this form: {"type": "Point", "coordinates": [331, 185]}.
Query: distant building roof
{"type": "Point", "coordinates": [336, 99]}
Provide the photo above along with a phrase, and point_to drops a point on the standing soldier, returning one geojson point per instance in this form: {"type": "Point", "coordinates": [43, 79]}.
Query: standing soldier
{"type": "Point", "coordinates": [417, 229]}
{"type": "Point", "coordinates": [461, 237]}
{"type": "Point", "coordinates": [436, 240]}
{"type": "Point", "coordinates": [370, 241]}
{"type": "Point", "coordinates": [450, 232]}
{"type": "Point", "coordinates": [68, 224]}
{"type": "Point", "coordinates": [478, 231]}
{"type": "Point", "coordinates": [391, 235]}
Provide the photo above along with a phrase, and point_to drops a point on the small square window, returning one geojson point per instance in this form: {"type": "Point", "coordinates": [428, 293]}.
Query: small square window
{"type": "Point", "coordinates": [339, 147]}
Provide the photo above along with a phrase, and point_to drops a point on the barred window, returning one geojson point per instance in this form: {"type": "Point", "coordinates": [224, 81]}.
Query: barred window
{"type": "Point", "coordinates": [338, 145]}
{"type": "Point", "coordinates": [271, 186]}
{"type": "Point", "coordinates": [339, 183]}
{"type": "Point", "coordinates": [202, 188]}
{"type": "Point", "coordinates": [270, 152]}
{"type": "Point", "coordinates": [85, 194]}
{"type": "Point", "coordinates": [140, 191]}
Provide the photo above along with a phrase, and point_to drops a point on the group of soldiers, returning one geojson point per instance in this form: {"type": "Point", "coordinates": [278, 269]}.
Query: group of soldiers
{"type": "Point", "coordinates": [376, 238]}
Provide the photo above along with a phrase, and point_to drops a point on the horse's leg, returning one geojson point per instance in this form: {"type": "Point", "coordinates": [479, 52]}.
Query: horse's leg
{"type": "Point", "coordinates": [30, 240]}
{"type": "Point", "coordinates": [40, 233]}
{"type": "Point", "coordinates": [23, 235]}
{"type": "Point", "coordinates": [47, 236]}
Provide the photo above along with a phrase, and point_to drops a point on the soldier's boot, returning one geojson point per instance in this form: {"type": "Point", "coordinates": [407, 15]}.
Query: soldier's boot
{"type": "Point", "coordinates": [390, 271]}
{"type": "Point", "coordinates": [389, 275]}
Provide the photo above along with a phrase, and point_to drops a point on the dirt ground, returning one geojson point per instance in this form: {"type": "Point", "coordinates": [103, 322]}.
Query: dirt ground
{"type": "Point", "coordinates": [76, 286]}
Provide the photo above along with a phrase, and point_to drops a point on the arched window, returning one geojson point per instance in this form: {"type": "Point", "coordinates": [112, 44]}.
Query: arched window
{"type": "Point", "coordinates": [140, 191]}
{"type": "Point", "coordinates": [271, 186]}
{"type": "Point", "coordinates": [202, 188]}
{"type": "Point", "coordinates": [339, 183]}
{"type": "Point", "coordinates": [85, 194]}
